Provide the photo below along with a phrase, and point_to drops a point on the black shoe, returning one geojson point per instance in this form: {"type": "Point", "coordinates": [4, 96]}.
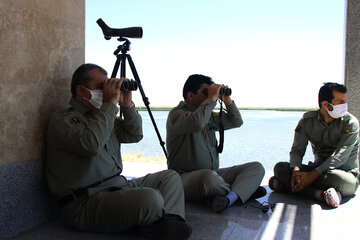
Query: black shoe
{"type": "Point", "coordinates": [219, 203]}
{"type": "Point", "coordinates": [168, 227]}
{"type": "Point", "coordinates": [259, 192]}
{"type": "Point", "coordinates": [275, 184]}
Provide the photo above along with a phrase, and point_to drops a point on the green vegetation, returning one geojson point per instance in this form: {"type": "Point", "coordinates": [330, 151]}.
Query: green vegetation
{"type": "Point", "coordinates": [279, 109]}
{"type": "Point", "coordinates": [154, 108]}
{"type": "Point", "coordinates": [241, 108]}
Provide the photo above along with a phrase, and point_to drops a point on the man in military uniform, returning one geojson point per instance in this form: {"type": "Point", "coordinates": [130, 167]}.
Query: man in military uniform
{"type": "Point", "coordinates": [334, 137]}
{"type": "Point", "coordinates": [192, 148]}
{"type": "Point", "coordinates": [84, 164]}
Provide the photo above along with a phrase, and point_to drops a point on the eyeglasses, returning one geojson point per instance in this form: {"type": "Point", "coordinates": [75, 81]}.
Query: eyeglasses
{"type": "Point", "coordinates": [265, 206]}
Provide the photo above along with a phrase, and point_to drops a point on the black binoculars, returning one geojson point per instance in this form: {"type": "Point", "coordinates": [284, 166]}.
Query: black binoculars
{"type": "Point", "coordinates": [128, 85]}
{"type": "Point", "coordinates": [223, 91]}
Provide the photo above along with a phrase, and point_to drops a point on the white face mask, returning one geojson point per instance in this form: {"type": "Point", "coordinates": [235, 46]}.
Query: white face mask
{"type": "Point", "coordinates": [96, 97]}
{"type": "Point", "coordinates": [338, 110]}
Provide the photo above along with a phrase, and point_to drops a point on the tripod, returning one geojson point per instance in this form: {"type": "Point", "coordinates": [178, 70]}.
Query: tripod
{"type": "Point", "coordinates": [121, 56]}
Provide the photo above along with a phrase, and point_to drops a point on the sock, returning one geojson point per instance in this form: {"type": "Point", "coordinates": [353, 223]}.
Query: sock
{"type": "Point", "coordinates": [232, 196]}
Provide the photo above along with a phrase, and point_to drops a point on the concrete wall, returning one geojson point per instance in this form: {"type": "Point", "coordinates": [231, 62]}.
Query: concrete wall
{"type": "Point", "coordinates": [42, 42]}
{"type": "Point", "coordinates": [352, 56]}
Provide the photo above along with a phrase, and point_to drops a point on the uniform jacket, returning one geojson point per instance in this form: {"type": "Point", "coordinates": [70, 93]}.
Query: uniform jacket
{"type": "Point", "coordinates": [335, 145]}
{"type": "Point", "coordinates": [190, 141]}
{"type": "Point", "coordinates": [84, 148]}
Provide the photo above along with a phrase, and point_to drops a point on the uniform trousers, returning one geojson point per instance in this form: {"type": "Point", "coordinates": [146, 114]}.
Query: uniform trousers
{"type": "Point", "coordinates": [205, 184]}
{"type": "Point", "coordinates": [144, 200]}
{"type": "Point", "coordinates": [346, 182]}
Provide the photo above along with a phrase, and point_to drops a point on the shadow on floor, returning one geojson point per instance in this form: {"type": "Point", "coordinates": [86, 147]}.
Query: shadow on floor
{"type": "Point", "coordinates": [292, 218]}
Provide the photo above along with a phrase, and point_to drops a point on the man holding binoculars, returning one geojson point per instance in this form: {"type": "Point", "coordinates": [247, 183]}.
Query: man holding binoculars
{"type": "Point", "coordinates": [84, 165]}
{"type": "Point", "coordinates": [192, 147]}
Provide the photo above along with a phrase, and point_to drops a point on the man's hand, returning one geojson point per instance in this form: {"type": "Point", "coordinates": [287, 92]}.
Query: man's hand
{"type": "Point", "coordinates": [294, 179]}
{"type": "Point", "coordinates": [301, 180]}
{"type": "Point", "coordinates": [111, 90]}
{"type": "Point", "coordinates": [227, 99]}
{"type": "Point", "coordinates": [125, 99]}
{"type": "Point", "coordinates": [213, 91]}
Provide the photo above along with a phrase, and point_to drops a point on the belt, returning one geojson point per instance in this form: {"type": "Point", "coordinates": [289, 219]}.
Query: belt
{"type": "Point", "coordinates": [72, 197]}
{"type": "Point", "coordinates": [81, 193]}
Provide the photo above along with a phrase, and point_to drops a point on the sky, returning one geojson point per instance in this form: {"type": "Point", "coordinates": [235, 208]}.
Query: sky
{"type": "Point", "coordinates": [271, 53]}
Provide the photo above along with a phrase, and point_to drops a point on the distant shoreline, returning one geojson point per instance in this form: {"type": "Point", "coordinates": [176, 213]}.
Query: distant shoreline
{"type": "Point", "coordinates": [241, 108]}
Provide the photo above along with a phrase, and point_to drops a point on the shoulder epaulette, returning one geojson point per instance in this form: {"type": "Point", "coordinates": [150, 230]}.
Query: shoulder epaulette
{"type": "Point", "coordinates": [347, 117]}
{"type": "Point", "coordinates": [310, 114]}
{"type": "Point", "coordinates": [75, 121]}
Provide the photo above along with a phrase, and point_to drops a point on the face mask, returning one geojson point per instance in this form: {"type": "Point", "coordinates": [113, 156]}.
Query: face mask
{"type": "Point", "coordinates": [338, 110]}
{"type": "Point", "coordinates": [96, 98]}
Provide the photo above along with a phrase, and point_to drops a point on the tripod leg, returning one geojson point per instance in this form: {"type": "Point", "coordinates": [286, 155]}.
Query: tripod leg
{"type": "Point", "coordinates": [146, 102]}
{"type": "Point", "coordinates": [116, 66]}
{"type": "Point", "coordinates": [137, 79]}
{"type": "Point", "coordinates": [123, 65]}
{"type": "Point", "coordinates": [119, 59]}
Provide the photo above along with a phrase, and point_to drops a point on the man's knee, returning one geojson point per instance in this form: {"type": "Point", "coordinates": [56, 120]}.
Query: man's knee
{"type": "Point", "coordinates": [212, 183]}
{"type": "Point", "coordinates": [258, 168]}
{"type": "Point", "coordinates": [281, 167]}
{"type": "Point", "coordinates": [151, 205]}
{"type": "Point", "coordinates": [344, 182]}
{"type": "Point", "coordinates": [208, 176]}
{"type": "Point", "coordinates": [283, 173]}
{"type": "Point", "coordinates": [168, 174]}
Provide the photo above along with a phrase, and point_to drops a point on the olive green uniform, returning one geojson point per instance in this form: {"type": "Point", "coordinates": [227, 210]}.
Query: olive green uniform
{"type": "Point", "coordinates": [192, 151]}
{"type": "Point", "coordinates": [83, 156]}
{"type": "Point", "coordinates": [336, 149]}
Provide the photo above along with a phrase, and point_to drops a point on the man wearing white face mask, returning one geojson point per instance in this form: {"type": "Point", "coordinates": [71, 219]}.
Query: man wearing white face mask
{"type": "Point", "coordinates": [334, 137]}
{"type": "Point", "coordinates": [96, 98]}
{"type": "Point", "coordinates": [83, 164]}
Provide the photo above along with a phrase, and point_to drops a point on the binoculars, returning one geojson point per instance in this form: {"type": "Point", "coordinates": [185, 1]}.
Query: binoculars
{"type": "Point", "coordinates": [223, 91]}
{"type": "Point", "coordinates": [128, 85]}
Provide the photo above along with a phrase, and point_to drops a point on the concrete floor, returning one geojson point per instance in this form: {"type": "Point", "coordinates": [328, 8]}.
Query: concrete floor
{"type": "Point", "coordinates": [292, 218]}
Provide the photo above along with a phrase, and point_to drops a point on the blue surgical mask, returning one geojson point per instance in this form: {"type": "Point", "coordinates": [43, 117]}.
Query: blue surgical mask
{"type": "Point", "coordinates": [96, 97]}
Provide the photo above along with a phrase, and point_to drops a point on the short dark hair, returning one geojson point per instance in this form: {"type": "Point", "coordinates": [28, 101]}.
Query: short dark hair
{"type": "Point", "coordinates": [82, 76]}
{"type": "Point", "coordinates": [193, 83]}
{"type": "Point", "coordinates": [326, 91]}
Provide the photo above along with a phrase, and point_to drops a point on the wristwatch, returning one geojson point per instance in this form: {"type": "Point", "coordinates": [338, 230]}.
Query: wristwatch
{"type": "Point", "coordinates": [131, 105]}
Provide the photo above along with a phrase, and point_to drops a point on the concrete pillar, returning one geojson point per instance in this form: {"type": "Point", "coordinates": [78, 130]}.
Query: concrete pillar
{"type": "Point", "coordinates": [352, 56]}
{"type": "Point", "coordinates": [42, 43]}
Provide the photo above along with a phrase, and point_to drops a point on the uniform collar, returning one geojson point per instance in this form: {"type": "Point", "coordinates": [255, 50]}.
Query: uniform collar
{"type": "Point", "coordinates": [186, 106]}
{"type": "Point", "coordinates": [79, 106]}
{"type": "Point", "coordinates": [319, 116]}
{"type": "Point", "coordinates": [337, 119]}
